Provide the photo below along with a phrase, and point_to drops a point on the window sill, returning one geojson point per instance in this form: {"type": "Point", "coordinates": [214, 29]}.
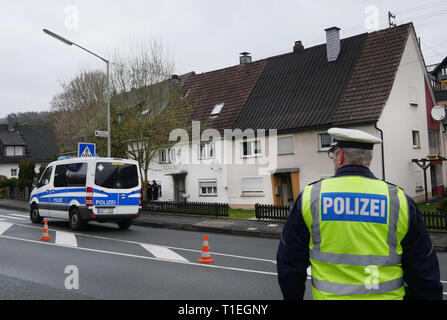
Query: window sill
{"type": "Point", "coordinates": [208, 195]}
{"type": "Point", "coordinates": [286, 154]}
{"type": "Point", "coordinates": [252, 156]}
{"type": "Point", "coordinates": [254, 194]}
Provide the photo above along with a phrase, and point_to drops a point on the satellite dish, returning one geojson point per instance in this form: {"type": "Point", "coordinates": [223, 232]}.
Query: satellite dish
{"type": "Point", "coordinates": [438, 113]}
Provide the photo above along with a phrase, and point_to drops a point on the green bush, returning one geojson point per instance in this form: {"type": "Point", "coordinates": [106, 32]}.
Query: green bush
{"type": "Point", "coordinates": [26, 174]}
{"type": "Point", "coordinates": [443, 205]}
{"type": "Point", "coordinates": [11, 183]}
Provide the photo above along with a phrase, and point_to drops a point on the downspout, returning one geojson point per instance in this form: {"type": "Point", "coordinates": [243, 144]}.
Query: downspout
{"type": "Point", "coordinates": [383, 154]}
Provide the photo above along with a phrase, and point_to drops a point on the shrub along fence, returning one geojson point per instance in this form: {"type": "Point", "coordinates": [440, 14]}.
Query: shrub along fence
{"type": "Point", "coordinates": [14, 193]}
{"type": "Point", "coordinates": [192, 208]}
{"type": "Point", "coordinates": [266, 211]}
{"type": "Point", "coordinates": [435, 221]}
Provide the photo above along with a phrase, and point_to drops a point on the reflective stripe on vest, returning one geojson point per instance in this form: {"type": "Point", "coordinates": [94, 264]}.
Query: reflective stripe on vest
{"type": "Point", "coordinates": [335, 258]}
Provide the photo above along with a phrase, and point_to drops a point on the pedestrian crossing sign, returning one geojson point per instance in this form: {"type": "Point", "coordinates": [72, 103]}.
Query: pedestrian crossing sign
{"type": "Point", "coordinates": [86, 149]}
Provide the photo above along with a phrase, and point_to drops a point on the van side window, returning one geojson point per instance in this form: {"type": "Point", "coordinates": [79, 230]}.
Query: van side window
{"type": "Point", "coordinates": [70, 175]}
{"type": "Point", "coordinates": [45, 179]}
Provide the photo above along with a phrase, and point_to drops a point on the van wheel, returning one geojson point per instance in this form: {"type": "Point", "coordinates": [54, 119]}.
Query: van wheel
{"type": "Point", "coordinates": [34, 214]}
{"type": "Point", "coordinates": [125, 224]}
{"type": "Point", "coordinates": [75, 220]}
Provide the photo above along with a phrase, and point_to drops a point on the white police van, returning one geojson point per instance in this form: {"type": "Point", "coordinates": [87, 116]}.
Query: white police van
{"type": "Point", "coordinates": [88, 189]}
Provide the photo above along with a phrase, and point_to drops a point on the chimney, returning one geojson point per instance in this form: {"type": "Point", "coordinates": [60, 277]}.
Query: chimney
{"type": "Point", "coordinates": [332, 43]}
{"type": "Point", "coordinates": [245, 58]}
{"type": "Point", "coordinates": [11, 123]}
{"type": "Point", "coordinates": [298, 47]}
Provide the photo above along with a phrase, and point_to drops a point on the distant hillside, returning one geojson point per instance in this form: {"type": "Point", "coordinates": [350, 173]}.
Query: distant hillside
{"type": "Point", "coordinates": [42, 118]}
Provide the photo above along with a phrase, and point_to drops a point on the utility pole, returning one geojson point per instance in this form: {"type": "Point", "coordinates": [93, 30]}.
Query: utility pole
{"type": "Point", "coordinates": [391, 23]}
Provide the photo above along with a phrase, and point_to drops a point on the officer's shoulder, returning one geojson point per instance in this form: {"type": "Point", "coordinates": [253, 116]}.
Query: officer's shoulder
{"type": "Point", "coordinates": [312, 183]}
{"type": "Point", "coordinates": [394, 185]}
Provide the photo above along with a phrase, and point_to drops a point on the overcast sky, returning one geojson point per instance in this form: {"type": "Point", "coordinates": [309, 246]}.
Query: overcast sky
{"type": "Point", "coordinates": [201, 35]}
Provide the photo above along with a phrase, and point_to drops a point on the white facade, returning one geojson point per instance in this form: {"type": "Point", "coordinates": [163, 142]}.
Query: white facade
{"type": "Point", "coordinates": [11, 170]}
{"type": "Point", "coordinates": [242, 182]}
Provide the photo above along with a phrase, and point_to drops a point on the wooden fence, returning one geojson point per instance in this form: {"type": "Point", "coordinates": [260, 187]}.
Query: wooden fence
{"type": "Point", "coordinates": [435, 221]}
{"type": "Point", "coordinates": [272, 212]}
{"type": "Point", "coordinates": [192, 208]}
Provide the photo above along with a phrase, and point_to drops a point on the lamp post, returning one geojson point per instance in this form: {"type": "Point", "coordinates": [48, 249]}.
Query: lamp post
{"type": "Point", "coordinates": [68, 42]}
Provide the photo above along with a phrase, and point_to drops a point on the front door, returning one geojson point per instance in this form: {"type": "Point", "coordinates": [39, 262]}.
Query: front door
{"type": "Point", "coordinates": [179, 187]}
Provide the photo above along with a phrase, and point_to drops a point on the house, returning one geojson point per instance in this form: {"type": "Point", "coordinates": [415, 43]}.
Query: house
{"type": "Point", "coordinates": [438, 77]}
{"type": "Point", "coordinates": [22, 142]}
{"type": "Point", "coordinates": [278, 111]}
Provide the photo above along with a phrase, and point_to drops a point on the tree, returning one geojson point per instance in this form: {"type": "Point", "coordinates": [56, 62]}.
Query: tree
{"type": "Point", "coordinates": [80, 109]}
{"type": "Point", "coordinates": [26, 174]}
{"type": "Point", "coordinates": [147, 106]}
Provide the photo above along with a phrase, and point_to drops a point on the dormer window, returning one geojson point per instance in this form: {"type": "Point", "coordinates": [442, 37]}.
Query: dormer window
{"type": "Point", "coordinates": [216, 110]}
{"type": "Point", "coordinates": [14, 151]}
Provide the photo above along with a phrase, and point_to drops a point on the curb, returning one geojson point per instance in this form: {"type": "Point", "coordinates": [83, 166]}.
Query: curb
{"type": "Point", "coordinates": [190, 227]}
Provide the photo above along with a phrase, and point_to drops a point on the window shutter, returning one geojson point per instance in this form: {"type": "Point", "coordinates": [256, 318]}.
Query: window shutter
{"type": "Point", "coordinates": [252, 184]}
{"type": "Point", "coordinates": [285, 145]}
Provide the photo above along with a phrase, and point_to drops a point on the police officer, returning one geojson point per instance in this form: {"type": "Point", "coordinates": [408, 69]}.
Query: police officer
{"type": "Point", "coordinates": [363, 237]}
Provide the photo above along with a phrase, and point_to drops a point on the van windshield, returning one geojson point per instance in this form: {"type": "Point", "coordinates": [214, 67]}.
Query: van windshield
{"type": "Point", "coordinates": [116, 175]}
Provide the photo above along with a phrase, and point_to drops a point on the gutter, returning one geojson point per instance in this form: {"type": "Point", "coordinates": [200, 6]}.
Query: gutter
{"type": "Point", "coordinates": [383, 154]}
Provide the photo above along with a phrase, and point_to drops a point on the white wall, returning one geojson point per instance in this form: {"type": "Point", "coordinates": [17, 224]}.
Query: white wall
{"type": "Point", "coordinates": [399, 118]}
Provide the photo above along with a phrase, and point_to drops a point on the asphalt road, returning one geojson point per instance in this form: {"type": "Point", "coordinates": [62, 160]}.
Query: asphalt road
{"type": "Point", "coordinates": [139, 263]}
{"type": "Point", "coordinates": [103, 262]}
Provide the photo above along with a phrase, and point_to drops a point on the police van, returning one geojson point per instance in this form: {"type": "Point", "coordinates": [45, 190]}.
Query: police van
{"type": "Point", "coordinates": [88, 189]}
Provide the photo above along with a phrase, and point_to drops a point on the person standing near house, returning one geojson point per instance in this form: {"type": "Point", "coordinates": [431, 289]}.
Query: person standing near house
{"type": "Point", "coordinates": [149, 192]}
{"type": "Point", "coordinates": [154, 190]}
{"type": "Point", "coordinates": [364, 238]}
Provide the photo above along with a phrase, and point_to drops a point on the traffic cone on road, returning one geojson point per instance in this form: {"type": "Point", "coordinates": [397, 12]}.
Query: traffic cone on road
{"type": "Point", "coordinates": [45, 235]}
{"type": "Point", "coordinates": [205, 258]}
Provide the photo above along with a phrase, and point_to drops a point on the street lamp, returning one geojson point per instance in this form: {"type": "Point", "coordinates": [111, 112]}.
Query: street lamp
{"type": "Point", "coordinates": [68, 42]}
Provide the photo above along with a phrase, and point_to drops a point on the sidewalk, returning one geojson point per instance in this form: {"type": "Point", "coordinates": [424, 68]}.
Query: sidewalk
{"type": "Point", "coordinates": [254, 228]}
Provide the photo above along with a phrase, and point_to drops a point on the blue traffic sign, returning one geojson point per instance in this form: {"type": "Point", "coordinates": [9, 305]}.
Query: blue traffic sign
{"type": "Point", "coordinates": [86, 149]}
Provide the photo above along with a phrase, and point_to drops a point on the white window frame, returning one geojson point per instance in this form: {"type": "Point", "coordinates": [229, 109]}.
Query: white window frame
{"type": "Point", "coordinates": [419, 179]}
{"type": "Point", "coordinates": [217, 109]}
{"type": "Point", "coordinates": [14, 172]}
{"type": "Point", "coordinates": [412, 95]}
{"type": "Point", "coordinates": [258, 192]}
{"type": "Point", "coordinates": [418, 144]}
{"type": "Point", "coordinates": [207, 150]}
{"type": "Point", "coordinates": [163, 156]}
{"type": "Point", "coordinates": [320, 147]}
{"type": "Point", "coordinates": [251, 148]}
{"type": "Point", "coordinates": [14, 151]}
{"type": "Point", "coordinates": [291, 151]}
{"type": "Point", "coordinates": [208, 188]}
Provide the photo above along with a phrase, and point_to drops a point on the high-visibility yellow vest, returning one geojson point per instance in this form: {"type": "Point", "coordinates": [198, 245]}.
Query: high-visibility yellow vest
{"type": "Point", "coordinates": [356, 226]}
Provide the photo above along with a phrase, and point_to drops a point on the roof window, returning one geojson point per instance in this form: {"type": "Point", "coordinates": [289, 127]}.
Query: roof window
{"type": "Point", "coordinates": [217, 109]}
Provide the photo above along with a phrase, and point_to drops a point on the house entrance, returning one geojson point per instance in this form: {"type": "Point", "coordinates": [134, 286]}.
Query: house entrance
{"type": "Point", "coordinates": [179, 186]}
{"type": "Point", "coordinates": [285, 186]}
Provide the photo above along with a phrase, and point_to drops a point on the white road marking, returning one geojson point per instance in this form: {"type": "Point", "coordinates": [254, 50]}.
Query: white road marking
{"type": "Point", "coordinates": [4, 226]}
{"type": "Point", "coordinates": [66, 238]}
{"type": "Point", "coordinates": [16, 218]}
{"type": "Point", "coordinates": [18, 215]}
{"type": "Point", "coordinates": [142, 257]}
{"type": "Point", "coordinates": [169, 247]}
{"type": "Point", "coordinates": [162, 252]}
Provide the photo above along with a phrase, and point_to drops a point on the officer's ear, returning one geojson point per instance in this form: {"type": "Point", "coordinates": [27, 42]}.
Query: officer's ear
{"type": "Point", "coordinates": [341, 156]}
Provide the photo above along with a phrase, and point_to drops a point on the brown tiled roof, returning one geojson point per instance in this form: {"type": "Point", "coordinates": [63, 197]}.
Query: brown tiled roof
{"type": "Point", "coordinates": [303, 90]}
{"type": "Point", "coordinates": [231, 86]}
{"type": "Point", "coordinates": [370, 85]}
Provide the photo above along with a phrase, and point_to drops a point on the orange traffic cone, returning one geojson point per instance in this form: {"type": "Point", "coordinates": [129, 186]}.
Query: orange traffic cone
{"type": "Point", "coordinates": [45, 235]}
{"type": "Point", "coordinates": [205, 258]}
